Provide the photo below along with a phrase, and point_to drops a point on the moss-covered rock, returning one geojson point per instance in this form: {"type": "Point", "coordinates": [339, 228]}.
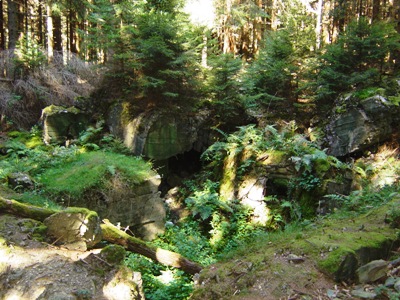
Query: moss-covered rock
{"type": "Point", "coordinates": [61, 124]}
{"type": "Point", "coordinates": [157, 134]}
{"type": "Point", "coordinates": [75, 225]}
{"type": "Point", "coordinates": [113, 254]}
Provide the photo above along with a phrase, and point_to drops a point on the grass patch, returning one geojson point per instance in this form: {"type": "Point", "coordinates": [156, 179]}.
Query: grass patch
{"type": "Point", "coordinates": [37, 200]}
{"type": "Point", "coordinates": [91, 169]}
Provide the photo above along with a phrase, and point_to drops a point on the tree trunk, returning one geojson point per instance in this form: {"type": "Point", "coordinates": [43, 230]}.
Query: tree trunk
{"type": "Point", "coordinates": [40, 29]}
{"type": "Point", "coordinates": [57, 33]}
{"type": "Point", "coordinates": [72, 30]}
{"type": "Point", "coordinates": [113, 235]}
{"type": "Point", "coordinates": [2, 32]}
{"type": "Point", "coordinates": [12, 23]}
{"type": "Point", "coordinates": [26, 20]}
{"type": "Point", "coordinates": [376, 8]}
{"type": "Point", "coordinates": [49, 30]}
{"type": "Point", "coordinates": [318, 27]}
{"type": "Point", "coordinates": [257, 30]}
{"type": "Point", "coordinates": [24, 210]}
{"type": "Point", "coordinates": [226, 28]}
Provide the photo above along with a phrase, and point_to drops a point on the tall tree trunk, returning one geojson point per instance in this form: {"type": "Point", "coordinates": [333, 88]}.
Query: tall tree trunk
{"type": "Point", "coordinates": [204, 50]}
{"type": "Point", "coordinates": [2, 32]}
{"type": "Point", "coordinates": [257, 29]}
{"type": "Point", "coordinates": [57, 33]}
{"type": "Point", "coordinates": [274, 17]}
{"type": "Point", "coordinates": [72, 31]}
{"type": "Point", "coordinates": [12, 23]}
{"type": "Point", "coordinates": [376, 8]}
{"type": "Point", "coordinates": [361, 9]}
{"type": "Point", "coordinates": [49, 29]}
{"type": "Point", "coordinates": [318, 27]}
{"type": "Point", "coordinates": [40, 26]}
{"type": "Point", "coordinates": [26, 19]}
{"type": "Point", "coordinates": [226, 27]}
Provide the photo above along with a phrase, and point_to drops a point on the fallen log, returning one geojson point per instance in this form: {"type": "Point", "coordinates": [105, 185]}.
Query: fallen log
{"type": "Point", "coordinates": [112, 234]}
{"type": "Point", "coordinates": [24, 210]}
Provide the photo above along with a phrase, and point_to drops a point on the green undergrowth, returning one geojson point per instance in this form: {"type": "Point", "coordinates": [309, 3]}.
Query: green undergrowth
{"type": "Point", "coordinates": [89, 170]}
{"type": "Point", "coordinates": [59, 170]}
{"type": "Point", "coordinates": [332, 246]}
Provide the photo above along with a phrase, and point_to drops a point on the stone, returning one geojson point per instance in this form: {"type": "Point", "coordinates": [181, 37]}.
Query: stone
{"type": "Point", "coordinates": [61, 124]}
{"type": "Point", "coordinates": [20, 180]}
{"type": "Point", "coordinates": [372, 271]}
{"type": "Point", "coordinates": [137, 208]}
{"type": "Point", "coordinates": [397, 285]}
{"type": "Point", "coordinates": [295, 258]}
{"type": "Point", "coordinates": [124, 285]}
{"type": "Point", "coordinates": [363, 294]}
{"type": "Point", "coordinates": [251, 193]}
{"type": "Point", "coordinates": [389, 283]}
{"type": "Point", "coordinates": [73, 226]}
{"type": "Point", "coordinates": [358, 128]}
{"type": "Point", "coordinates": [159, 134]}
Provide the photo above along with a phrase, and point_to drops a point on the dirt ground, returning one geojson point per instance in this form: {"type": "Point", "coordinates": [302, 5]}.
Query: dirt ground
{"type": "Point", "coordinates": [33, 269]}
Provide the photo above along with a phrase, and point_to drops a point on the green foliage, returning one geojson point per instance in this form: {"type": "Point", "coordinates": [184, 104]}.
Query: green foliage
{"type": "Point", "coordinates": [88, 170]}
{"type": "Point", "coordinates": [188, 239]}
{"type": "Point", "coordinates": [149, 54]}
{"type": "Point", "coordinates": [205, 202]}
{"type": "Point", "coordinates": [361, 201]}
{"type": "Point", "coordinates": [224, 85]}
{"type": "Point", "coordinates": [357, 60]}
{"type": "Point", "coordinates": [158, 286]}
{"type": "Point", "coordinates": [270, 77]}
{"type": "Point", "coordinates": [29, 56]}
{"type": "Point", "coordinates": [38, 199]}
{"type": "Point", "coordinates": [393, 216]}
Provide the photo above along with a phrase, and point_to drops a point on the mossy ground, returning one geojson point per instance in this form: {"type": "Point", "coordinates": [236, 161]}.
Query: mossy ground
{"type": "Point", "coordinates": [90, 170]}
{"type": "Point", "coordinates": [264, 269]}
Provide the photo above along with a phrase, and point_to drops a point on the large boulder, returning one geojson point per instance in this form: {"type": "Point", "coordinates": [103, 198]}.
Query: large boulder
{"type": "Point", "coordinates": [20, 180]}
{"type": "Point", "coordinates": [360, 127]}
{"type": "Point", "coordinates": [75, 226]}
{"type": "Point", "coordinates": [158, 134]}
{"type": "Point", "coordinates": [138, 208]}
{"type": "Point", "coordinates": [61, 124]}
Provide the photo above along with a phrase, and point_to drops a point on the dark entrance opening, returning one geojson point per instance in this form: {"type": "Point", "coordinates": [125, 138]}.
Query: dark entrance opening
{"type": "Point", "coordinates": [176, 169]}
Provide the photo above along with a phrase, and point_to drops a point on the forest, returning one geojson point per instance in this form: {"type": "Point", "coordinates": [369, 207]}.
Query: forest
{"type": "Point", "coordinates": [294, 102]}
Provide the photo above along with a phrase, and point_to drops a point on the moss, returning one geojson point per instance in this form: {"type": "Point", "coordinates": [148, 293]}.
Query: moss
{"type": "Point", "coordinates": [54, 109]}
{"type": "Point", "coordinates": [113, 254]}
{"type": "Point", "coordinates": [307, 202]}
{"type": "Point", "coordinates": [126, 113]}
{"type": "Point", "coordinates": [334, 259]}
{"type": "Point", "coordinates": [321, 166]}
{"type": "Point", "coordinates": [91, 170]}
{"type": "Point", "coordinates": [89, 214]}
{"type": "Point", "coordinates": [34, 142]}
{"type": "Point", "coordinates": [24, 210]}
{"type": "Point", "coordinates": [275, 157]}
{"type": "Point", "coordinates": [227, 188]}
{"type": "Point", "coordinates": [280, 182]}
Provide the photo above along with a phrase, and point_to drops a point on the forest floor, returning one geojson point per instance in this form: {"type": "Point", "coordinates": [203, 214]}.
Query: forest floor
{"type": "Point", "coordinates": [285, 268]}
{"type": "Point", "coordinates": [319, 262]}
{"type": "Point", "coordinates": [32, 269]}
